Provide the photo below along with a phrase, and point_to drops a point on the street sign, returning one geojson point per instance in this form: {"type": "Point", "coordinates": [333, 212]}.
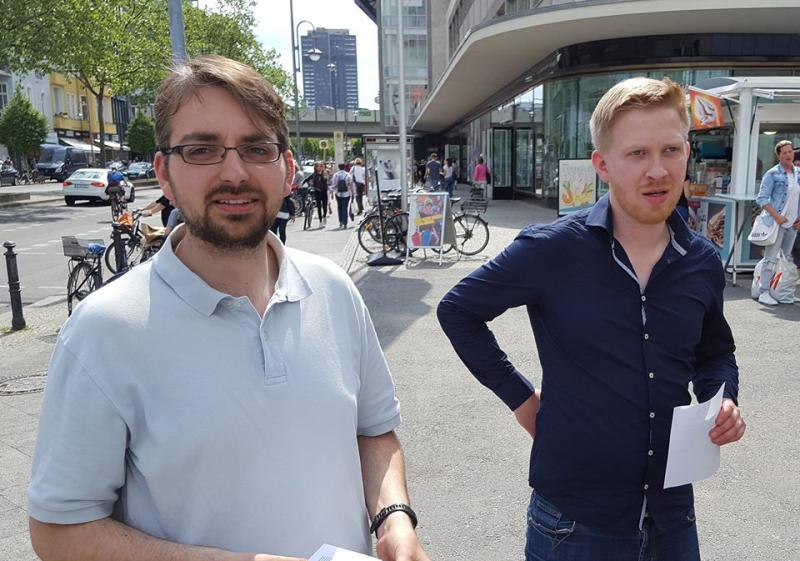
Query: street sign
{"type": "Point", "coordinates": [323, 144]}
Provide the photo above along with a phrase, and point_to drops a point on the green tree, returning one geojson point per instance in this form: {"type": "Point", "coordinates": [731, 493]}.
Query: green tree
{"type": "Point", "coordinates": [22, 127]}
{"type": "Point", "coordinates": [142, 135]}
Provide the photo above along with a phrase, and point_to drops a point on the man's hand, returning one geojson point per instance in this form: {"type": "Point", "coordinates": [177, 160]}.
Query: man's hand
{"type": "Point", "coordinates": [526, 413]}
{"type": "Point", "coordinates": [781, 220]}
{"type": "Point", "coordinates": [796, 224]}
{"type": "Point", "coordinates": [729, 424]}
{"type": "Point", "coordinates": [399, 542]}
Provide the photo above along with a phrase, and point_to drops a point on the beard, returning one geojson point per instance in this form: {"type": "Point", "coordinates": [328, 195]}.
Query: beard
{"type": "Point", "coordinates": [644, 213]}
{"type": "Point", "coordinates": [231, 232]}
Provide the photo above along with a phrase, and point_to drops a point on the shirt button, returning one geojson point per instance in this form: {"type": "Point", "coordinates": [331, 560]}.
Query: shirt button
{"type": "Point", "coordinates": [646, 486]}
{"type": "Point", "coordinates": [644, 298]}
{"type": "Point", "coordinates": [652, 415]}
{"type": "Point", "coordinates": [652, 375]}
{"type": "Point", "coordinates": [649, 453]}
{"type": "Point", "coordinates": [646, 336]}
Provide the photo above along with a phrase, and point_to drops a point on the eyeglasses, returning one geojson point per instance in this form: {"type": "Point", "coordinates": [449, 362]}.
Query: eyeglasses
{"type": "Point", "coordinates": [210, 154]}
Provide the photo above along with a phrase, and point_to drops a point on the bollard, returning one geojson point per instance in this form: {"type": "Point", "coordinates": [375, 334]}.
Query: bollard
{"type": "Point", "coordinates": [17, 319]}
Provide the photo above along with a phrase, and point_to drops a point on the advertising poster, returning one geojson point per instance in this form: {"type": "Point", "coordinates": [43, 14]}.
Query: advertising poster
{"type": "Point", "coordinates": [715, 222]}
{"type": "Point", "coordinates": [426, 220]}
{"type": "Point", "coordinates": [577, 185]}
{"type": "Point", "coordinates": [705, 110]}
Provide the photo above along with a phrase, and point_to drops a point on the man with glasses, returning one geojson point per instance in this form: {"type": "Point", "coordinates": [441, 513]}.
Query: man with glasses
{"type": "Point", "coordinates": [260, 422]}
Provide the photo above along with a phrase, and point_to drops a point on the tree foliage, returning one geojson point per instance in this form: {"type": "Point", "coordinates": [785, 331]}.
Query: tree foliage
{"type": "Point", "coordinates": [22, 127]}
{"type": "Point", "coordinates": [142, 135]}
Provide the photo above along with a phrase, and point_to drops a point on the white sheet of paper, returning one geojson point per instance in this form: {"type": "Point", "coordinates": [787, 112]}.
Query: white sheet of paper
{"type": "Point", "coordinates": [332, 553]}
{"type": "Point", "coordinates": [692, 456]}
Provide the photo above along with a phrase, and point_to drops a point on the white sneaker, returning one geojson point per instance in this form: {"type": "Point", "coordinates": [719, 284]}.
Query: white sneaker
{"type": "Point", "coordinates": [767, 300]}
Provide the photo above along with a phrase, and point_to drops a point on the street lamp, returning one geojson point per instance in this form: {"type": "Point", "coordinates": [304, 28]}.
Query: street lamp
{"type": "Point", "coordinates": [314, 55]}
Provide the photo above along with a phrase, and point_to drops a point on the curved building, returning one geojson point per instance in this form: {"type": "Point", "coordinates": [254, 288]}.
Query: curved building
{"type": "Point", "coordinates": [517, 80]}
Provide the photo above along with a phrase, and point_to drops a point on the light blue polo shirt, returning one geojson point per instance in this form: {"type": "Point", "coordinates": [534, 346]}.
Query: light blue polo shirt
{"type": "Point", "coordinates": [181, 412]}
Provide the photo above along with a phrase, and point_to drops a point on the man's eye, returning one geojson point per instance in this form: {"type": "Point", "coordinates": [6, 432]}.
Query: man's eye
{"type": "Point", "coordinates": [258, 149]}
{"type": "Point", "coordinates": [199, 150]}
{"type": "Point", "coordinates": [637, 153]}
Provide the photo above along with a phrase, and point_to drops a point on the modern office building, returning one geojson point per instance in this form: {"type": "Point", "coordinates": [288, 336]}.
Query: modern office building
{"type": "Point", "coordinates": [332, 81]}
{"type": "Point", "coordinates": [517, 80]}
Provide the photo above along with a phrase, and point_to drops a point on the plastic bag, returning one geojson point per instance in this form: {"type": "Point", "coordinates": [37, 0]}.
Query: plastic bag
{"type": "Point", "coordinates": [755, 288]}
{"type": "Point", "coordinates": [783, 283]}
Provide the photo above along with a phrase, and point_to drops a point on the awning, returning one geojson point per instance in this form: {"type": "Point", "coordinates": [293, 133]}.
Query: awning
{"type": "Point", "coordinates": [113, 145]}
{"type": "Point", "coordinates": [78, 144]}
{"type": "Point", "coordinates": [499, 53]}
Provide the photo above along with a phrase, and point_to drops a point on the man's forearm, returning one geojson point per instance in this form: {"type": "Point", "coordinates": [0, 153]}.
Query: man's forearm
{"type": "Point", "coordinates": [109, 540]}
{"type": "Point", "coordinates": [383, 471]}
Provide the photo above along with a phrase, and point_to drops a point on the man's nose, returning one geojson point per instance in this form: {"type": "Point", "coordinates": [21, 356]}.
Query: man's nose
{"type": "Point", "coordinates": [232, 168]}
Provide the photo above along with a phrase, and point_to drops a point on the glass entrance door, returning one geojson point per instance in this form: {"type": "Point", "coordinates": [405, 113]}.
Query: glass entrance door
{"type": "Point", "coordinates": [500, 167]}
{"type": "Point", "coordinates": [523, 160]}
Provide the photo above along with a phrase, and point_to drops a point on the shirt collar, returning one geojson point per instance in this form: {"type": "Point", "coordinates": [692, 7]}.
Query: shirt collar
{"type": "Point", "coordinates": [600, 216]}
{"type": "Point", "coordinates": [291, 285]}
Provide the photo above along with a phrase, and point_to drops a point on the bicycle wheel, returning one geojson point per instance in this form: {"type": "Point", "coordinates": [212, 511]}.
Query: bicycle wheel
{"type": "Point", "coordinates": [397, 232]}
{"type": "Point", "coordinates": [308, 214]}
{"type": "Point", "coordinates": [472, 234]}
{"type": "Point", "coordinates": [369, 234]}
{"type": "Point", "coordinates": [110, 254]}
{"type": "Point", "coordinates": [80, 284]}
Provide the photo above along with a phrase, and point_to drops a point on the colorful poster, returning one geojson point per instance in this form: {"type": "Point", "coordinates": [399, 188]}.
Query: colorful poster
{"type": "Point", "coordinates": [577, 185]}
{"type": "Point", "coordinates": [705, 110]}
{"type": "Point", "coordinates": [426, 220]}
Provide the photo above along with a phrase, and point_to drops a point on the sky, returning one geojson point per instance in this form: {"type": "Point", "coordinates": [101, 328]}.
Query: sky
{"type": "Point", "coordinates": [273, 27]}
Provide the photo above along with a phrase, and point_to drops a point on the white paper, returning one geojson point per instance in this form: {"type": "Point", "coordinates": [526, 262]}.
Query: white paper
{"type": "Point", "coordinates": [332, 553]}
{"type": "Point", "coordinates": [692, 456]}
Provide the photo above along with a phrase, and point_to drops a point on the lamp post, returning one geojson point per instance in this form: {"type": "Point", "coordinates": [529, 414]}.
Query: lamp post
{"type": "Point", "coordinates": [314, 55]}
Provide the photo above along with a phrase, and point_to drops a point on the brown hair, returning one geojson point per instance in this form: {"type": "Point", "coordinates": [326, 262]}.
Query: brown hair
{"type": "Point", "coordinates": [256, 96]}
{"type": "Point", "coordinates": [780, 145]}
{"type": "Point", "coordinates": [636, 93]}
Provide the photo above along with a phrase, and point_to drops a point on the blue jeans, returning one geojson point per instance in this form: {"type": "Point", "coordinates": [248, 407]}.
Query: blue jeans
{"type": "Point", "coordinates": [342, 204]}
{"type": "Point", "coordinates": [551, 537]}
{"type": "Point", "coordinates": [448, 185]}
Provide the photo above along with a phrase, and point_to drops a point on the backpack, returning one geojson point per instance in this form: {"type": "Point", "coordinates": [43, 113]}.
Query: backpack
{"type": "Point", "coordinates": [341, 184]}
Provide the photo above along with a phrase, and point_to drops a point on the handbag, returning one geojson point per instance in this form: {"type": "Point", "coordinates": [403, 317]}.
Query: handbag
{"type": "Point", "coordinates": [761, 234]}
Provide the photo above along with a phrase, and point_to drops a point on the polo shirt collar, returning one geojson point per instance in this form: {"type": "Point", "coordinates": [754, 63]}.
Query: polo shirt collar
{"type": "Point", "coordinates": [290, 286]}
{"type": "Point", "coordinates": [600, 216]}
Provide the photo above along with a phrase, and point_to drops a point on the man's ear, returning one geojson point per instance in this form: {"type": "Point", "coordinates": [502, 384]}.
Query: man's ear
{"type": "Point", "coordinates": [161, 166]}
{"type": "Point", "coordinates": [600, 166]}
{"type": "Point", "coordinates": [288, 158]}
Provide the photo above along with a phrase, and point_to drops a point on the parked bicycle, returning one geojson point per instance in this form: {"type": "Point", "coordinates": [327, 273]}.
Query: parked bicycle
{"type": "Point", "coordinates": [31, 177]}
{"type": "Point", "coordinates": [140, 240]}
{"type": "Point", "coordinates": [372, 238]}
{"type": "Point", "coordinates": [472, 231]}
{"type": "Point", "coordinates": [85, 268]}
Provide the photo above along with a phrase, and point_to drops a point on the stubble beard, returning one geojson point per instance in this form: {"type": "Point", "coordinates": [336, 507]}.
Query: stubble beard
{"type": "Point", "coordinates": [214, 232]}
{"type": "Point", "coordinates": [652, 215]}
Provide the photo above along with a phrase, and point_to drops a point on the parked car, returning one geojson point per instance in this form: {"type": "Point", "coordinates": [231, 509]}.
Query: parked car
{"type": "Point", "coordinates": [59, 162]}
{"type": "Point", "coordinates": [8, 175]}
{"type": "Point", "coordinates": [119, 164]}
{"type": "Point", "coordinates": [90, 184]}
{"type": "Point", "coordinates": [140, 170]}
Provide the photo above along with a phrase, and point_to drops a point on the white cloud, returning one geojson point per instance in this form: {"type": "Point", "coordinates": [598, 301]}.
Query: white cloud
{"type": "Point", "coordinates": [273, 24]}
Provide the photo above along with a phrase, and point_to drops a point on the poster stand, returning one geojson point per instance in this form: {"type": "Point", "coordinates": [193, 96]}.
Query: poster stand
{"type": "Point", "coordinates": [428, 221]}
{"type": "Point", "coordinates": [383, 258]}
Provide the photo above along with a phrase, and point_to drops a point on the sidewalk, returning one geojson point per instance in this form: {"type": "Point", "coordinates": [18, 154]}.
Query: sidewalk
{"type": "Point", "coordinates": [466, 458]}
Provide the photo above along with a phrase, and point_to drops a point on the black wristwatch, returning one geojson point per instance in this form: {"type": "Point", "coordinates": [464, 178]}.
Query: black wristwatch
{"type": "Point", "coordinates": [385, 512]}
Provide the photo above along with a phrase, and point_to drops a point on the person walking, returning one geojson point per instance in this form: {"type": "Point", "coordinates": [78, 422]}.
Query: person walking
{"type": "Point", "coordinates": [319, 182]}
{"type": "Point", "coordinates": [628, 311]}
{"type": "Point", "coordinates": [342, 184]}
{"type": "Point", "coordinates": [779, 196]}
{"type": "Point", "coordinates": [359, 178]}
{"type": "Point", "coordinates": [480, 176]}
{"type": "Point", "coordinates": [433, 173]}
{"type": "Point", "coordinates": [285, 214]}
{"type": "Point", "coordinates": [260, 423]}
{"type": "Point", "coordinates": [449, 176]}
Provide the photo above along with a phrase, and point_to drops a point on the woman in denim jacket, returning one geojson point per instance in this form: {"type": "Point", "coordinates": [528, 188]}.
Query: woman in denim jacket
{"type": "Point", "coordinates": [779, 195]}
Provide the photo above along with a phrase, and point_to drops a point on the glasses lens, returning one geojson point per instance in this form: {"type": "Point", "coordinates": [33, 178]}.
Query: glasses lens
{"type": "Point", "coordinates": [260, 153]}
{"type": "Point", "coordinates": [202, 153]}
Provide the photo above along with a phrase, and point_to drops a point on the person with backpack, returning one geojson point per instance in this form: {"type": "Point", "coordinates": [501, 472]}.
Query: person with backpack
{"type": "Point", "coordinates": [342, 184]}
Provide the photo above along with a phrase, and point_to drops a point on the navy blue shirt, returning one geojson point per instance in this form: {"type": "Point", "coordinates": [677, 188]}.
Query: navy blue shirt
{"type": "Point", "coordinates": [616, 359]}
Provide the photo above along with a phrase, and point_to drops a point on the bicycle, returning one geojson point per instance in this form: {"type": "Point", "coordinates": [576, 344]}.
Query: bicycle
{"type": "Point", "coordinates": [31, 177]}
{"type": "Point", "coordinates": [118, 205]}
{"type": "Point", "coordinates": [140, 240]}
{"type": "Point", "coordinates": [472, 231]}
{"type": "Point", "coordinates": [85, 269]}
{"type": "Point", "coordinates": [395, 225]}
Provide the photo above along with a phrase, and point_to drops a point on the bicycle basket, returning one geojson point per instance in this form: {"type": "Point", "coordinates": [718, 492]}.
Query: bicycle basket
{"type": "Point", "coordinates": [73, 247]}
{"type": "Point", "coordinates": [474, 206]}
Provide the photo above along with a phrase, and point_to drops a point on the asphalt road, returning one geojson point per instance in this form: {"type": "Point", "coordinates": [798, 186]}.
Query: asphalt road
{"type": "Point", "coordinates": [37, 231]}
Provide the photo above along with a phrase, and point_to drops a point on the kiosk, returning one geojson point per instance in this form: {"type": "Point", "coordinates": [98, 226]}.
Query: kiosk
{"type": "Point", "coordinates": [730, 156]}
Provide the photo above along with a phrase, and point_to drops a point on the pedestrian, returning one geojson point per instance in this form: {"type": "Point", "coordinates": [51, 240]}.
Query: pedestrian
{"type": "Point", "coordinates": [480, 176]}
{"type": "Point", "coordinates": [433, 173]}
{"type": "Point", "coordinates": [161, 204]}
{"type": "Point", "coordinates": [342, 183]}
{"type": "Point", "coordinates": [319, 182]}
{"type": "Point", "coordinates": [358, 175]}
{"type": "Point", "coordinates": [297, 179]}
{"type": "Point", "coordinates": [259, 423]}
{"type": "Point", "coordinates": [779, 196]}
{"type": "Point", "coordinates": [285, 214]}
{"type": "Point", "coordinates": [421, 173]}
{"type": "Point", "coordinates": [626, 308]}
{"type": "Point", "coordinates": [449, 177]}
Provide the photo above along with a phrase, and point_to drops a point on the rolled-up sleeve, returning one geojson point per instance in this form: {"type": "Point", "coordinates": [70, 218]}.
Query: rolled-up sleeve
{"type": "Point", "coordinates": [765, 190]}
{"type": "Point", "coordinates": [513, 278]}
{"type": "Point", "coordinates": [79, 461]}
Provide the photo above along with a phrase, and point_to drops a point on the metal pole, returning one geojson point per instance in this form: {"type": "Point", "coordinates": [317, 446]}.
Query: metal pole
{"type": "Point", "coordinates": [401, 118]}
{"type": "Point", "coordinates": [294, 78]}
{"type": "Point", "coordinates": [17, 319]}
{"type": "Point", "coordinates": [176, 32]}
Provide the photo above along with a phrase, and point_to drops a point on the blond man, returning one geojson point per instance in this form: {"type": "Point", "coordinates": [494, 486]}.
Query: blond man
{"type": "Point", "coordinates": [259, 424]}
{"type": "Point", "coordinates": [626, 307]}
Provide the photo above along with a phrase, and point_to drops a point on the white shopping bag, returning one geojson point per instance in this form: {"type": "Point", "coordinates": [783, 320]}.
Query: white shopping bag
{"type": "Point", "coordinates": [783, 283]}
{"type": "Point", "coordinates": [755, 288]}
